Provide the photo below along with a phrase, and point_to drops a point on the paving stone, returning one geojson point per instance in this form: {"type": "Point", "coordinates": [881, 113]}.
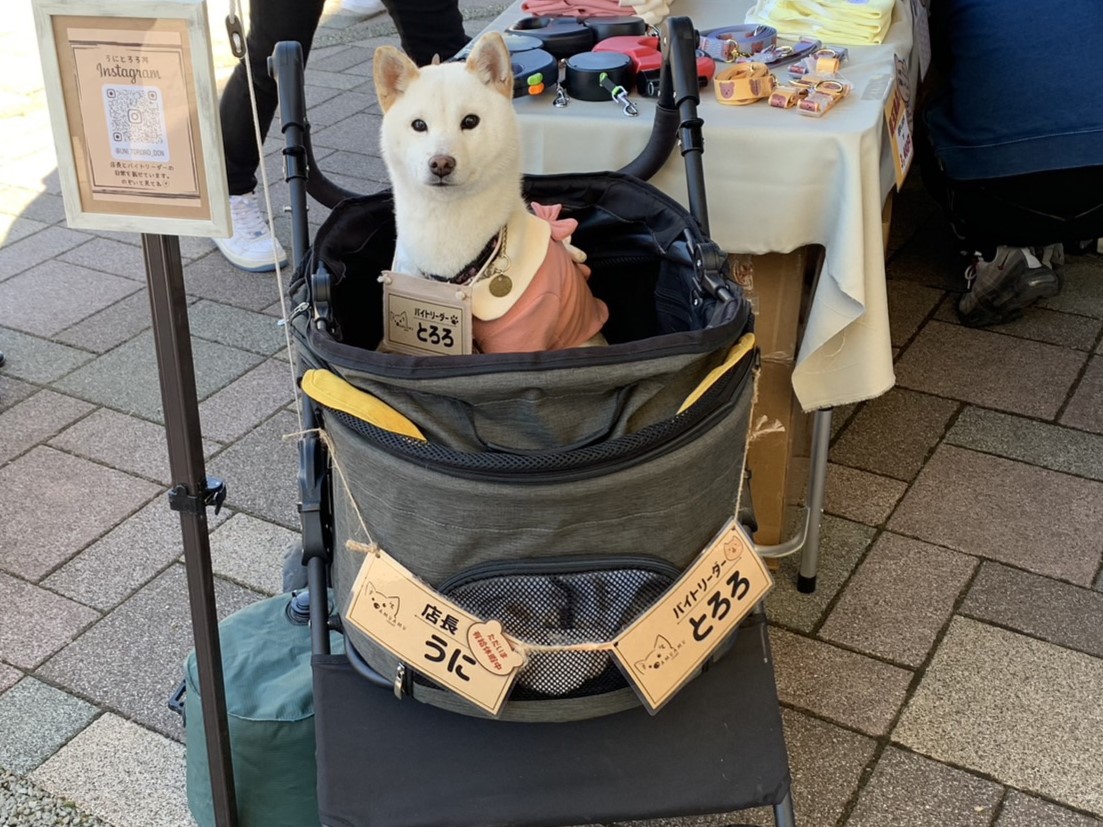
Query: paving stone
{"type": "Point", "coordinates": [35, 721]}
{"type": "Point", "coordinates": [842, 543]}
{"type": "Point", "coordinates": [55, 504]}
{"type": "Point", "coordinates": [1021, 810]}
{"type": "Point", "coordinates": [370, 167]}
{"type": "Point", "coordinates": [12, 392]}
{"type": "Point", "coordinates": [899, 599]}
{"type": "Point", "coordinates": [9, 676]}
{"type": "Point", "coordinates": [124, 442]}
{"type": "Point", "coordinates": [1037, 606]}
{"type": "Point", "coordinates": [355, 134]}
{"type": "Point", "coordinates": [334, 80]}
{"type": "Point", "coordinates": [842, 686]}
{"type": "Point", "coordinates": [243, 329]}
{"type": "Point", "coordinates": [1021, 710]}
{"type": "Point", "coordinates": [125, 774]}
{"type": "Point", "coordinates": [36, 622]}
{"type": "Point", "coordinates": [251, 552]}
{"type": "Point", "coordinates": [317, 95]}
{"type": "Point", "coordinates": [37, 360]}
{"type": "Point", "coordinates": [857, 495]}
{"type": "Point", "coordinates": [1082, 292]}
{"type": "Point", "coordinates": [212, 277]}
{"type": "Point", "coordinates": [24, 255]}
{"type": "Point", "coordinates": [909, 305]}
{"type": "Point", "coordinates": [36, 419]}
{"type": "Point", "coordinates": [1042, 325]}
{"type": "Point", "coordinates": [1037, 443]}
{"type": "Point", "coordinates": [1034, 518]}
{"type": "Point", "coordinates": [989, 369]}
{"type": "Point", "coordinates": [131, 661]}
{"type": "Point", "coordinates": [110, 327]}
{"type": "Point", "coordinates": [52, 296]}
{"type": "Point", "coordinates": [1086, 408]}
{"type": "Point", "coordinates": [12, 228]}
{"type": "Point", "coordinates": [247, 401]}
{"type": "Point", "coordinates": [338, 108]}
{"type": "Point", "coordinates": [126, 379]}
{"type": "Point", "coordinates": [826, 764]}
{"type": "Point", "coordinates": [907, 790]}
{"type": "Point", "coordinates": [893, 434]}
{"type": "Point", "coordinates": [33, 204]}
{"type": "Point", "coordinates": [125, 558]}
{"type": "Point", "coordinates": [261, 470]}
{"type": "Point", "coordinates": [110, 256]}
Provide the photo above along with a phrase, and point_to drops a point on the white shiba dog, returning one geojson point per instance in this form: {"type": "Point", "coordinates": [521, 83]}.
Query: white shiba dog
{"type": "Point", "coordinates": [452, 147]}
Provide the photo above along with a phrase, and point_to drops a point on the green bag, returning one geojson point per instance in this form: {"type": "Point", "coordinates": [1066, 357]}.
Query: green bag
{"type": "Point", "coordinates": [270, 711]}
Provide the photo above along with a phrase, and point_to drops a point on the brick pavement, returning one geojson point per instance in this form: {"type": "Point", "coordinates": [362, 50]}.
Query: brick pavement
{"type": "Point", "coordinates": [947, 672]}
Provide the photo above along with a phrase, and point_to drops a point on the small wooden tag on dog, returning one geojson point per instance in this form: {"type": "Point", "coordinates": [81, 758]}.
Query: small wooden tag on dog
{"type": "Point", "coordinates": [433, 635]}
{"type": "Point", "coordinates": [422, 317]}
{"type": "Point", "coordinates": [666, 646]}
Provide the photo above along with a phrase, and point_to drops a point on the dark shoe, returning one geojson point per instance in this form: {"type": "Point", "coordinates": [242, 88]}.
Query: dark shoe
{"type": "Point", "coordinates": [1016, 278]}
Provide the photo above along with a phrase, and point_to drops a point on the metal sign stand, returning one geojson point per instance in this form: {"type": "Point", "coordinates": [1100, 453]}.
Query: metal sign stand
{"type": "Point", "coordinates": [190, 495]}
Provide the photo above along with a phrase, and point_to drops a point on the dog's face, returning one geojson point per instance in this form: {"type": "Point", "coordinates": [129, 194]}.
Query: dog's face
{"type": "Point", "coordinates": [449, 129]}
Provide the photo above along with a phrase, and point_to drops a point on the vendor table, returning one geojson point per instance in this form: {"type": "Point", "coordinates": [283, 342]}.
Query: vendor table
{"type": "Point", "coordinates": [776, 181]}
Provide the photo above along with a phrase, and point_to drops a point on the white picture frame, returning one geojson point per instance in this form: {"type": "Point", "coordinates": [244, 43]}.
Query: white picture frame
{"type": "Point", "coordinates": [133, 103]}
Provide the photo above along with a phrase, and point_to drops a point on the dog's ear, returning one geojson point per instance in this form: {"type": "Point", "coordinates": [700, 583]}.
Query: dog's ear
{"type": "Point", "coordinates": [490, 61]}
{"type": "Point", "coordinates": [393, 72]}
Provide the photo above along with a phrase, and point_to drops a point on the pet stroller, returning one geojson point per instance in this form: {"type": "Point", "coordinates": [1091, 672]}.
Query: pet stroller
{"type": "Point", "coordinates": [558, 493]}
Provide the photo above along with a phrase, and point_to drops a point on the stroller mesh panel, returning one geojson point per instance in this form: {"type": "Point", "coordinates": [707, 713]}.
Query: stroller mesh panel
{"type": "Point", "coordinates": [578, 607]}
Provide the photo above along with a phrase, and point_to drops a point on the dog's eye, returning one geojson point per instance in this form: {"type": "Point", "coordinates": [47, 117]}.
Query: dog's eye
{"type": "Point", "coordinates": [469, 122]}
{"type": "Point", "coordinates": [419, 125]}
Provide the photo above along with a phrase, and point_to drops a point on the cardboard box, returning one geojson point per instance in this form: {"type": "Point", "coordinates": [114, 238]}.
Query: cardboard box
{"type": "Point", "coordinates": [779, 287]}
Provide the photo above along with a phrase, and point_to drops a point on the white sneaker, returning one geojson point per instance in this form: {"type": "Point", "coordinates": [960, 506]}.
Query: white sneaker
{"type": "Point", "coordinates": [364, 8]}
{"type": "Point", "coordinates": [252, 247]}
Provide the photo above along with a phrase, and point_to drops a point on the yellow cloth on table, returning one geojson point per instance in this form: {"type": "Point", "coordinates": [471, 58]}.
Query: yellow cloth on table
{"type": "Point", "coordinates": [854, 22]}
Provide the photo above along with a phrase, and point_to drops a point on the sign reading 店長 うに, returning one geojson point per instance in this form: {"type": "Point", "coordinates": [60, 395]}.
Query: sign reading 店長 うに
{"type": "Point", "coordinates": [134, 109]}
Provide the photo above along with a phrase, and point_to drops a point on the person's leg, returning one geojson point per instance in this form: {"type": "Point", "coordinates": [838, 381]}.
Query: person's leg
{"type": "Point", "coordinates": [428, 28]}
{"type": "Point", "coordinates": [270, 21]}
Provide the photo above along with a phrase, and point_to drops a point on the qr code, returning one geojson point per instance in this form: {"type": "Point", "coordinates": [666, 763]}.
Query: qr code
{"type": "Point", "coordinates": [136, 123]}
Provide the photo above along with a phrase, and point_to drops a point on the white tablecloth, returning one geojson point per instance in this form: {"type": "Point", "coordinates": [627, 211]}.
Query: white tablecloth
{"type": "Point", "coordinates": [776, 181]}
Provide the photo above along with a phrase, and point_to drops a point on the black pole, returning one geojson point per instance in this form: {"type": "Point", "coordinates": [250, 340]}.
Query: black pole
{"type": "Point", "coordinates": [190, 495]}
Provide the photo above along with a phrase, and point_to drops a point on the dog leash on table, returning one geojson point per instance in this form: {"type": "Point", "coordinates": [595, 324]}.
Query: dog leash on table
{"type": "Point", "coordinates": [743, 83]}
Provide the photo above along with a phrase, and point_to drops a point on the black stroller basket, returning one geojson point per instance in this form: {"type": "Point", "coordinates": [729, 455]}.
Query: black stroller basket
{"type": "Point", "coordinates": [559, 492]}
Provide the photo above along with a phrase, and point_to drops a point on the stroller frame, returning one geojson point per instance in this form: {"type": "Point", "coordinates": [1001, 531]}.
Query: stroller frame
{"type": "Point", "coordinates": [676, 118]}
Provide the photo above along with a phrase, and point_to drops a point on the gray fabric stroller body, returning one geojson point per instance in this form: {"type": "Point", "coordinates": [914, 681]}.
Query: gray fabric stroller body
{"type": "Point", "coordinates": [559, 493]}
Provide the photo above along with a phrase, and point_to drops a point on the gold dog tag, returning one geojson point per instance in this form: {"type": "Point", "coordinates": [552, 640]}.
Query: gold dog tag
{"type": "Point", "coordinates": [666, 646]}
{"type": "Point", "coordinates": [500, 285]}
{"type": "Point", "coordinates": [422, 317]}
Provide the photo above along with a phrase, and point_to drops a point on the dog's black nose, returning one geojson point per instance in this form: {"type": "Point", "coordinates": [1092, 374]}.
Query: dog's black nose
{"type": "Point", "coordinates": [442, 165]}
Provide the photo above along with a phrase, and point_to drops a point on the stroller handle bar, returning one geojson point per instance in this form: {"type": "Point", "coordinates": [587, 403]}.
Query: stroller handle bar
{"type": "Point", "coordinates": [675, 121]}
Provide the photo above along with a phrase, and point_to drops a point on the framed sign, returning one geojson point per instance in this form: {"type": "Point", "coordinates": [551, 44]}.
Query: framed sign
{"type": "Point", "coordinates": [134, 109]}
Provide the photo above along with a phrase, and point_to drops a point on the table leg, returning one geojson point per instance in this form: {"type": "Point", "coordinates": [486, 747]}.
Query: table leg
{"type": "Point", "coordinates": [807, 539]}
{"type": "Point", "coordinates": [817, 485]}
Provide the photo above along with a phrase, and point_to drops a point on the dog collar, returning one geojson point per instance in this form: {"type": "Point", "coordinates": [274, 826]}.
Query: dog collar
{"type": "Point", "coordinates": [743, 83]}
{"type": "Point", "coordinates": [476, 265]}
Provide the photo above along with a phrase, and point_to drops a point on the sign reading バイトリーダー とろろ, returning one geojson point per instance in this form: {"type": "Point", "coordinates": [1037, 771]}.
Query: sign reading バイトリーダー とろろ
{"type": "Point", "coordinates": [134, 110]}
